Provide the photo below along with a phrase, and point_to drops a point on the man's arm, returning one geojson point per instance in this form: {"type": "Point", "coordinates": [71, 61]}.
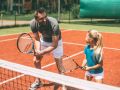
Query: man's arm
{"type": "Point", "coordinates": [37, 41]}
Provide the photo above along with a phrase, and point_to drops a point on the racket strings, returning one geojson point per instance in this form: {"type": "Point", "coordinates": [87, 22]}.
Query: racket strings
{"type": "Point", "coordinates": [27, 47]}
{"type": "Point", "coordinates": [69, 63]}
{"type": "Point", "coordinates": [25, 44]}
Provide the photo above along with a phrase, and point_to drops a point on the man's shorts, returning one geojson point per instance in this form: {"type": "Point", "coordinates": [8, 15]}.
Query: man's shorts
{"type": "Point", "coordinates": [58, 52]}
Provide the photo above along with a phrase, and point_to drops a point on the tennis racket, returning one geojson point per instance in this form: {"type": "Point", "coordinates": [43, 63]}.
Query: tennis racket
{"type": "Point", "coordinates": [25, 44]}
{"type": "Point", "coordinates": [70, 64]}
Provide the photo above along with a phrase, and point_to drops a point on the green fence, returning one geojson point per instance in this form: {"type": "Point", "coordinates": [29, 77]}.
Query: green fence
{"type": "Point", "coordinates": [100, 9]}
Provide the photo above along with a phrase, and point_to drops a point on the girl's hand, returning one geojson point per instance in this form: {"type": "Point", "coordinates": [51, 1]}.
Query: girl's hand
{"type": "Point", "coordinates": [83, 67]}
{"type": "Point", "coordinates": [87, 68]}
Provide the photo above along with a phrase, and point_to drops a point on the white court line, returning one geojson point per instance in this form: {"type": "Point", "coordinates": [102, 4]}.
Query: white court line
{"type": "Point", "coordinates": [63, 59]}
{"type": "Point", "coordinates": [8, 40]}
{"type": "Point", "coordinates": [46, 65]}
{"type": "Point", "coordinates": [65, 43]}
{"type": "Point", "coordinates": [64, 30]}
{"type": "Point", "coordinates": [27, 32]}
{"type": "Point", "coordinates": [9, 35]}
{"type": "Point", "coordinates": [41, 68]}
{"type": "Point", "coordinates": [53, 62]}
{"type": "Point", "coordinates": [88, 30]}
{"type": "Point", "coordinates": [84, 45]}
{"type": "Point", "coordinates": [19, 33]}
{"type": "Point", "coordinates": [74, 43]}
{"type": "Point", "coordinates": [11, 79]}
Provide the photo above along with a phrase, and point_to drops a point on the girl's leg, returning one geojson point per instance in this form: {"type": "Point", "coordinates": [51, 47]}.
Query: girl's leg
{"type": "Point", "coordinates": [99, 77]}
{"type": "Point", "coordinates": [88, 76]}
{"type": "Point", "coordinates": [99, 81]}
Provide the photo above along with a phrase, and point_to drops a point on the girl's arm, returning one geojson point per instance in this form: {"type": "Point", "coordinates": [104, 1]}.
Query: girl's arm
{"type": "Point", "coordinates": [95, 66]}
{"type": "Point", "coordinates": [84, 62]}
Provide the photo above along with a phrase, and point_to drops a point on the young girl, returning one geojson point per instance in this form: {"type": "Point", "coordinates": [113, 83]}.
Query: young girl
{"type": "Point", "coordinates": [93, 61]}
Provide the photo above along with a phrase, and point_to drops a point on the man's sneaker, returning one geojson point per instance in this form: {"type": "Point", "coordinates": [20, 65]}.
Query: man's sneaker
{"type": "Point", "coordinates": [35, 85]}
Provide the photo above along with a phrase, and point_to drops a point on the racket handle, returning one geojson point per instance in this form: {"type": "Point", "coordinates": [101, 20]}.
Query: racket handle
{"type": "Point", "coordinates": [82, 67]}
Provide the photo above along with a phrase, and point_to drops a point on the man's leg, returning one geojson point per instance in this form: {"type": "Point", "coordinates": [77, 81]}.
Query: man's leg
{"type": "Point", "coordinates": [61, 70]}
{"type": "Point", "coordinates": [37, 83]}
{"type": "Point", "coordinates": [59, 65]}
{"type": "Point", "coordinates": [58, 53]}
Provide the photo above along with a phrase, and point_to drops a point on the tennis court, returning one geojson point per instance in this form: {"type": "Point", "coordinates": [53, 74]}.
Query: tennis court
{"type": "Point", "coordinates": [74, 42]}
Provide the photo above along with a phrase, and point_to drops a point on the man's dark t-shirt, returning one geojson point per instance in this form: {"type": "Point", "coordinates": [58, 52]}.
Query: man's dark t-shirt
{"type": "Point", "coordinates": [51, 28]}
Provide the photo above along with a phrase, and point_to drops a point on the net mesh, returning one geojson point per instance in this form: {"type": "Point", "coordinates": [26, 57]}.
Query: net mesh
{"type": "Point", "coordinates": [11, 80]}
{"type": "Point", "coordinates": [19, 77]}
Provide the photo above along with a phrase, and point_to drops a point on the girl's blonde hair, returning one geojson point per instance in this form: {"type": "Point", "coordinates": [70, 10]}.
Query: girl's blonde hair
{"type": "Point", "coordinates": [98, 48]}
{"type": "Point", "coordinates": [97, 37]}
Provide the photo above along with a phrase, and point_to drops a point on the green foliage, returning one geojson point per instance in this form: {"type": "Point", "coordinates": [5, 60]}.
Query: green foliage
{"type": "Point", "coordinates": [115, 28]}
{"type": "Point", "coordinates": [102, 27]}
{"type": "Point", "coordinates": [63, 16]}
{"type": "Point", "coordinates": [18, 17]}
{"type": "Point", "coordinates": [14, 30]}
{"type": "Point", "coordinates": [75, 11]}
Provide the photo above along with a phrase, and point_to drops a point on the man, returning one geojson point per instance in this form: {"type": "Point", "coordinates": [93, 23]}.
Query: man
{"type": "Point", "coordinates": [46, 31]}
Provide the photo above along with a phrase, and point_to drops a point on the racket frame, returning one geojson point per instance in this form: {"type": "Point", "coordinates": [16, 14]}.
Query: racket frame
{"type": "Point", "coordinates": [33, 48]}
{"type": "Point", "coordinates": [77, 65]}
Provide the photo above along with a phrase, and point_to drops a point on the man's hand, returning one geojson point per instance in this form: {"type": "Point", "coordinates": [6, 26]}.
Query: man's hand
{"type": "Point", "coordinates": [38, 54]}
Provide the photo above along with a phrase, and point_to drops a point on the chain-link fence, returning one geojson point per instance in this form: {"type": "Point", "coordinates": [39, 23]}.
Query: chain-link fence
{"type": "Point", "coordinates": [17, 12]}
{"type": "Point", "coordinates": [12, 11]}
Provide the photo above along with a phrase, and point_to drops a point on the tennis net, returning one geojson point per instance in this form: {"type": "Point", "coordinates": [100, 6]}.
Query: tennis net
{"type": "Point", "coordinates": [19, 77]}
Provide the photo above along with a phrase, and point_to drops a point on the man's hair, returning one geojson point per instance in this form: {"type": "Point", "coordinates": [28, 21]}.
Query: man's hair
{"type": "Point", "coordinates": [40, 10]}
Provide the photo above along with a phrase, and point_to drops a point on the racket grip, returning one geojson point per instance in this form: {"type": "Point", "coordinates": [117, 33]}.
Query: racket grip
{"type": "Point", "coordinates": [37, 54]}
{"type": "Point", "coordinates": [83, 67]}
